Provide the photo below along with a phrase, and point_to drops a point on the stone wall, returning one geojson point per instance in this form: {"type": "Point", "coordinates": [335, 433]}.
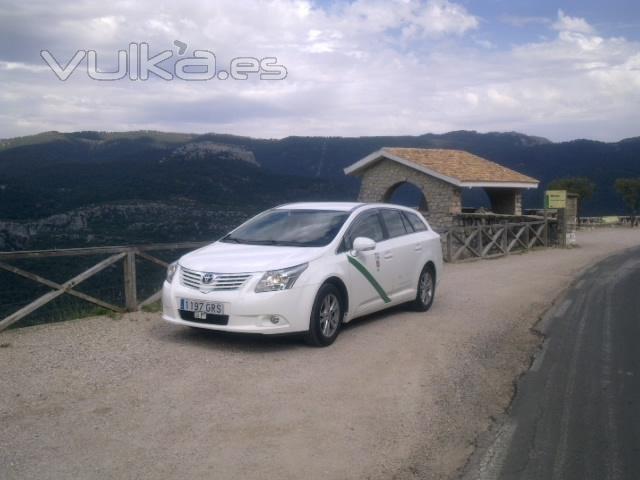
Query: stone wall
{"type": "Point", "coordinates": [380, 180]}
{"type": "Point", "coordinates": [571, 217]}
{"type": "Point", "coordinates": [505, 201]}
{"type": "Point", "coordinates": [518, 210]}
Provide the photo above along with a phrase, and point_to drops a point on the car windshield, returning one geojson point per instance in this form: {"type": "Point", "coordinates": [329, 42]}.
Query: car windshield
{"type": "Point", "coordinates": [298, 228]}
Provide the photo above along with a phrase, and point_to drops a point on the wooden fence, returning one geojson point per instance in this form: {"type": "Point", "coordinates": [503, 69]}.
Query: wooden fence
{"type": "Point", "coordinates": [127, 254]}
{"type": "Point", "coordinates": [489, 218]}
{"type": "Point", "coordinates": [495, 240]}
{"type": "Point", "coordinates": [607, 221]}
{"type": "Point", "coordinates": [458, 243]}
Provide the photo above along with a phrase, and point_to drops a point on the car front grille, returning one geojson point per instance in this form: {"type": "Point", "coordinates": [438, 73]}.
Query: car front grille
{"type": "Point", "coordinates": [220, 281]}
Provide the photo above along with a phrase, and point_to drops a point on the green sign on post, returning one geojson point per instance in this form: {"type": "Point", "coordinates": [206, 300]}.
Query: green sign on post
{"type": "Point", "coordinates": [555, 199]}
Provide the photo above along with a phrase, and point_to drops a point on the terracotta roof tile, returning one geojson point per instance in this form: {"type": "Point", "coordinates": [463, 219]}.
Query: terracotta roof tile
{"type": "Point", "coordinates": [460, 165]}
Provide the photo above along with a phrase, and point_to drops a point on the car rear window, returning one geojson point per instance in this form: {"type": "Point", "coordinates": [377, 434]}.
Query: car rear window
{"type": "Point", "coordinates": [415, 221]}
{"type": "Point", "coordinates": [393, 222]}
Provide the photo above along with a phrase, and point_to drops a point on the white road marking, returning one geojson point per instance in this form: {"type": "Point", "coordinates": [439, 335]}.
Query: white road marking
{"type": "Point", "coordinates": [493, 460]}
{"type": "Point", "coordinates": [537, 362]}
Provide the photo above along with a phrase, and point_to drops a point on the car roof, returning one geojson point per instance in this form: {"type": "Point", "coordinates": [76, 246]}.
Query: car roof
{"type": "Point", "coordinates": [338, 206]}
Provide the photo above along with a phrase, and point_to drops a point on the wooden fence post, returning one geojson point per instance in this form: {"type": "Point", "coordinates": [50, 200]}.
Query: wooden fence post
{"type": "Point", "coordinates": [504, 239]}
{"type": "Point", "coordinates": [130, 286]}
{"type": "Point", "coordinates": [60, 290]}
{"type": "Point", "coordinates": [546, 229]}
{"type": "Point", "coordinates": [128, 253]}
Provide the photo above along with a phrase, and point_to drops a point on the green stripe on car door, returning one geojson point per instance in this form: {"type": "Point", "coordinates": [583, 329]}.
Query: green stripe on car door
{"type": "Point", "coordinates": [366, 274]}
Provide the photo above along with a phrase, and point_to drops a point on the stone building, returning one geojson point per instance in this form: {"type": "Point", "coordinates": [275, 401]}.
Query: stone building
{"type": "Point", "coordinates": [440, 175]}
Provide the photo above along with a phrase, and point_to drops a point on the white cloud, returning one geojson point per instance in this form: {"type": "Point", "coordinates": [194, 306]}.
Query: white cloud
{"type": "Point", "coordinates": [23, 66]}
{"type": "Point", "coordinates": [362, 68]}
{"type": "Point", "coordinates": [501, 99]}
{"type": "Point", "coordinates": [320, 47]}
{"type": "Point", "coordinates": [584, 42]}
{"type": "Point", "coordinates": [416, 18]}
{"type": "Point", "coordinates": [441, 17]}
{"type": "Point", "coordinates": [572, 24]}
{"type": "Point", "coordinates": [523, 21]}
{"type": "Point", "coordinates": [484, 43]}
{"type": "Point", "coordinates": [472, 98]}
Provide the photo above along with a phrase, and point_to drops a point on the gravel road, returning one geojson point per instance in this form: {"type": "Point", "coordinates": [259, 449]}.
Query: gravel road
{"type": "Point", "coordinates": [400, 395]}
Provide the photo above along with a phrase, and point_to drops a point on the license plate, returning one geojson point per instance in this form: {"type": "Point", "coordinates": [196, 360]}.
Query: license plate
{"type": "Point", "coordinates": [201, 308]}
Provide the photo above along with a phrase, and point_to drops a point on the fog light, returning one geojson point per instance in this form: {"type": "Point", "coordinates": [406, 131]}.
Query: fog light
{"type": "Point", "coordinates": [275, 319]}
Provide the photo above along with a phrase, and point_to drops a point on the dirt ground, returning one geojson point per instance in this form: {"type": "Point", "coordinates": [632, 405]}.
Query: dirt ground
{"type": "Point", "coordinates": [399, 395]}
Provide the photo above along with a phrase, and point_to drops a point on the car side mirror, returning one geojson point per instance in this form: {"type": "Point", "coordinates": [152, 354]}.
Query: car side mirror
{"type": "Point", "coordinates": [362, 244]}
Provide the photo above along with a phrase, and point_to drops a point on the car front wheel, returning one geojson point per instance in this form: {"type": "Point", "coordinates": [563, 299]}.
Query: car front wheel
{"type": "Point", "coordinates": [426, 290]}
{"type": "Point", "coordinates": [326, 317]}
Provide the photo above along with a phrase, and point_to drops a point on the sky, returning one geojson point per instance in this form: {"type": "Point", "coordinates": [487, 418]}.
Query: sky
{"type": "Point", "coordinates": [558, 69]}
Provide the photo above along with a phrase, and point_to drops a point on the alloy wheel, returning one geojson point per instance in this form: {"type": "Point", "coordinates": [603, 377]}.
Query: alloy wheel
{"type": "Point", "coordinates": [426, 287]}
{"type": "Point", "coordinates": [329, 315]}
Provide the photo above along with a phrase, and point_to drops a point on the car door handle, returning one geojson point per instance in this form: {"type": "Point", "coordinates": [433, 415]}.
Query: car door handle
{"type": "Point", "coordinates": [418, 248]}
{"type": "Point", "coordinates": [388, 255]}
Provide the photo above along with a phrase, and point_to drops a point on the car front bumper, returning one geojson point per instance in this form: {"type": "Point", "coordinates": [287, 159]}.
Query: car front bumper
{"type": "Point", "coordinates": [247, 311]}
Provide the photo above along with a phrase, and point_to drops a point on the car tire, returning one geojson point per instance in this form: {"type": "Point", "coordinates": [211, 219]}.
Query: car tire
{"type": "Point", "coordinates": [426, 291]}
{"type": "Point", "coordinates": [326, 317]}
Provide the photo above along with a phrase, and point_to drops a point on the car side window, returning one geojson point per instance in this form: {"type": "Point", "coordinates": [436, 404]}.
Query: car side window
{"type": "Point", "coordinates": [368, 226]}
{"type": "Point", "coordinates": [407, 225]}
{"type": "Point", "coordinates": [417, 224]}
{"type": "Point", "coordinates": [393, 221]}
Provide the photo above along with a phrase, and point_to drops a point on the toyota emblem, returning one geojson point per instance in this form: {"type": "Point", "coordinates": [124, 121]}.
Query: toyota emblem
{"type": "Point", "coordinates": [207, 278]}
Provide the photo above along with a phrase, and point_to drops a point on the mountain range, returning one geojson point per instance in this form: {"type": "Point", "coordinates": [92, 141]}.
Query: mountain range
{"type": "Point", "coordinates": [88, 188]}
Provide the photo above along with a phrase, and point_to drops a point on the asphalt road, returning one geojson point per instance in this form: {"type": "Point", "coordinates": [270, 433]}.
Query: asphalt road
{"type": "Point", "coordinates": [576, 414]}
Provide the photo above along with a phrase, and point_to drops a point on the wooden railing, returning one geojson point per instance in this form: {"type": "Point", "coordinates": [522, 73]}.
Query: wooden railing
{"type": "Point", "coordinates": [494, 240]}
{"type": "Point", "coordinates": [458, 243]}
{"type": "Point", "coordinates": [607, 221]}
{"type": "Point", "coordinates": [490, 218]}
{"type": "Point", "coordinates": [127, 254]}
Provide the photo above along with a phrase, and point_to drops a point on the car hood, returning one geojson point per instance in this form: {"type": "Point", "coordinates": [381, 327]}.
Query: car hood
{"type": "Point", "coordinates": [221, 257]}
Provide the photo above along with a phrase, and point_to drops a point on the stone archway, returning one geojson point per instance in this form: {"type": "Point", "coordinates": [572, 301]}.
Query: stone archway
{"type": "Point", "coordinates": [379, 181]}
{"type": "Point", "coordinates": [409, 189]}
{"type": "Point", "coordinates": [441, 175]}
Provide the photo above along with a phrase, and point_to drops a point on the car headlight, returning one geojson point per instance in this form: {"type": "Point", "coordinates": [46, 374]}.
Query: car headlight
{"type": "Point", "coordinates": [284, 279]}
{"type": "Point", "coordinates": [171, 271]}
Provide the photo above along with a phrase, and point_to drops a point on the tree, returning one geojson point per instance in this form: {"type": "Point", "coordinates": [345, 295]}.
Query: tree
{"type": "Point", "coordinates": [629, 190]}
{"type": "Point", "coordinates": [581, 186]}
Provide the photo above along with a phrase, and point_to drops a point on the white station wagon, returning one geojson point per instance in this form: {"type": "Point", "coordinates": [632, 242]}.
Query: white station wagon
{"type": "Point", "coordinates": [306, 268]}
